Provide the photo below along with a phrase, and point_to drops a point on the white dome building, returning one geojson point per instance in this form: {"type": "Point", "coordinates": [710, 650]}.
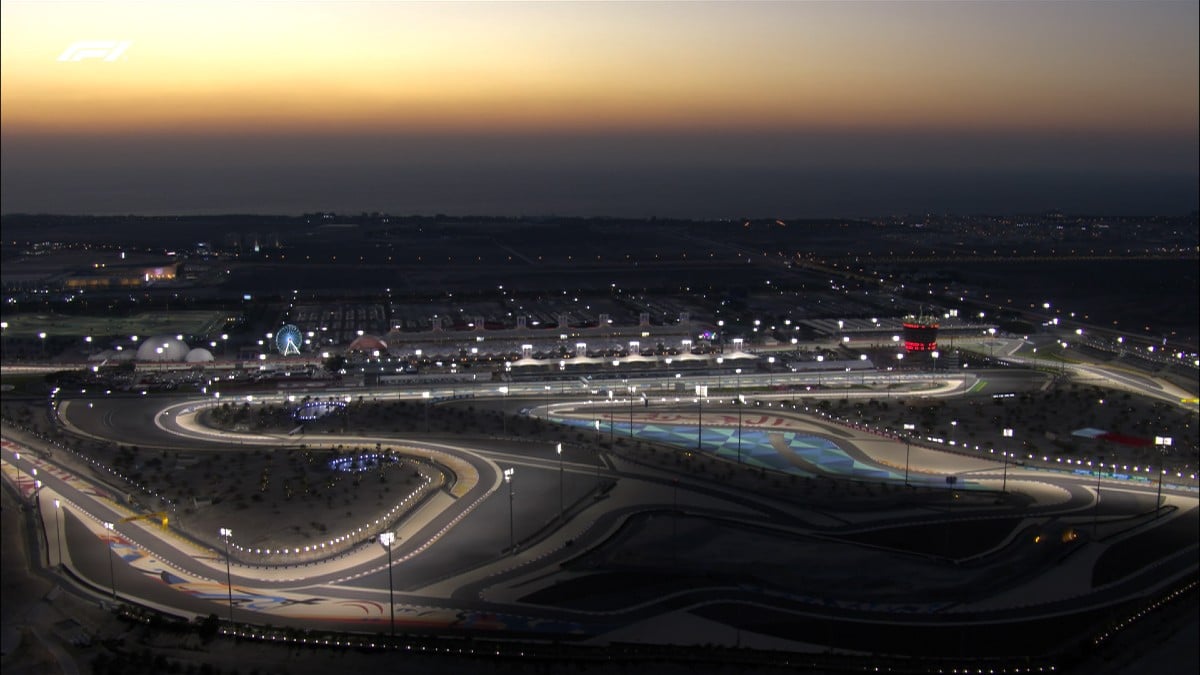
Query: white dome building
{"type": "Point", "coordinates": [198, 355]}
{"type": "Point", "coordinates": [162, 348]}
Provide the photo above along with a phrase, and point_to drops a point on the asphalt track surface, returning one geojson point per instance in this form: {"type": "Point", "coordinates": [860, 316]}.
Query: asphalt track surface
{"type": "Point", "coordinates": [455, 574]}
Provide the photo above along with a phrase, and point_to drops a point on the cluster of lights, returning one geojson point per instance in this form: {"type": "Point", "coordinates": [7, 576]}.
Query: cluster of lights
{"type": "Point", "coordinates": [1156, 605]}
{"type": "Point", "coordinates": [527, 357]}
{"type": "Point", "coordinates": [978, 670]}
{"type": "Point", "coordinates": [360, 463]}
{"type": "Point", "coordinates": [891, 433]}
{"type": "Point", "coordinates": [98, 465]}
{"type": "Point", "coordinates": [885, 431]}
{"type": "Point", "coordinates": [349, 538]}
{"type": "Point", "coordinates": [317, 409]}
{"type": "Point", "coordinates": [361, 643]}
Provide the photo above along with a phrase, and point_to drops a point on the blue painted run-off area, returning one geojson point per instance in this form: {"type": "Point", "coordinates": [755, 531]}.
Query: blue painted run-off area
{"type": "Point", "coordinates": [757, 449]}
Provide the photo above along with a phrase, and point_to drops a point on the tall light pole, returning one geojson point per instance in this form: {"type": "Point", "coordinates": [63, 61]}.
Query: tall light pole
{"type": "Point", "coordinates": [226, 533]}
{"type": "Point", "coordinates": [1096, 512]}
{"type": "Point", "coordinates": [561, 503]}
{"type": "Point", "coordinates": [1162, 443]}
{"type": "Point", "coordinates": [36, 499]}
{"type": "Point", "coordinates": [632, 390]}
{"type": "Point", "coordinates": [597, 455]}
{"type": "Point", "coordinates": [57, 537]}
{"type": "Point", "coordinates": [508, 475]}
{"type": "Point", "coordinates": [112, 577]}
{"type": "Point", "coordinates": [386, 539]}
{"type": "Point", "coordinates": [701, 392]}
{"type": "Point", "coordinates": [741, 404]}
{"type": "Point", "coordinates": [611, 433]}
{"type": "Point", "coordinates": [16, 460]}
{"type": "Point", "coordinates": [504, 413]}
{"type": "Point", "coordinates": [1007, 433]}
{"type": "Point", "coordinates": [908, 429]}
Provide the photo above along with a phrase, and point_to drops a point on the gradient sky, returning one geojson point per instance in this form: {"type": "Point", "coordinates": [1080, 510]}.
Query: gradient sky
{"type": "Point", "coordinates": [686, 108]}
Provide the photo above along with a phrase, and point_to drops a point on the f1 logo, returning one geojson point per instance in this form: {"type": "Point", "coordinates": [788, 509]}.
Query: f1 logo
{"type": "Point", "coordinates": [105, 50]}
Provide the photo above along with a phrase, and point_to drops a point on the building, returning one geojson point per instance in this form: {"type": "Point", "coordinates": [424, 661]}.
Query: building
{"type": "Point", "coordinates": [920, 333]}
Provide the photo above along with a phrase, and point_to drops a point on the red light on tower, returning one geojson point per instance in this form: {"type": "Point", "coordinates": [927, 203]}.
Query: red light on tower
{"type": "Point", "coordinates": [920, 333]}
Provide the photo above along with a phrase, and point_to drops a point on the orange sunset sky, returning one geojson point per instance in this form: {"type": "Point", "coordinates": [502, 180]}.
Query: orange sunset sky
{"type": "Point", "coordinates": [544, 70]}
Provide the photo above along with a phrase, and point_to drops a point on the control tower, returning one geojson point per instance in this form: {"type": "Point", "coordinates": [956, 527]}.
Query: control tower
{"type": "Point", "coordinates": [920, 333]}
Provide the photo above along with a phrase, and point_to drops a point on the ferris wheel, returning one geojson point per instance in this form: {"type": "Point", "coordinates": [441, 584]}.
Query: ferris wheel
{"type": "Point", "coordinates": [288, 340]}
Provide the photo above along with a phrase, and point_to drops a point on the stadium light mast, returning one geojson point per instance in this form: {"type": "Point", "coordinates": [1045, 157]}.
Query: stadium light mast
{"type": "Point", "coordinates": [1162, 443]}
{"type": "Point", "coordinates": [226, 533]}
{"type": "Point", "coordinates": [1008, 433]}
{"type": "Point", "coordinates": [112, 577]}
{"type": "Point", "coordinates": [508, 476]}
{"type": "Point", "coordinates": [909, 427]}
{"type": "Point", "coordinates": [386, 539]}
